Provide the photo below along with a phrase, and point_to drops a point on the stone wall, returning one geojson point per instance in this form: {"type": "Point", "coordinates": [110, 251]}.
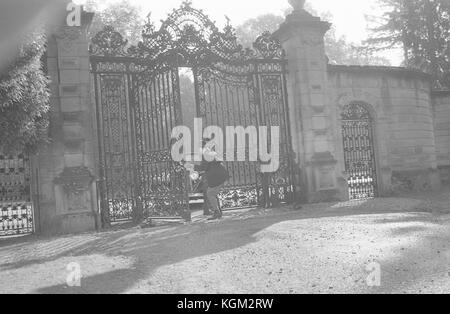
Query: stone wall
{"type": "Point", "coordinates": [441, 105]}
{"type": "Point", "coordinates": [400, 102]}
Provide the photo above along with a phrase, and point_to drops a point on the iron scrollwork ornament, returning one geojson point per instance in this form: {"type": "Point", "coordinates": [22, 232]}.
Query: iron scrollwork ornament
{"type": "Point", "coordinates": [186, 38]}
{"type": "Point", "coordinates": [355, 112]}
{"type": "Point", "coordinates": [267, 47]}
{"type": "Point", "coordinates": [109, 43]}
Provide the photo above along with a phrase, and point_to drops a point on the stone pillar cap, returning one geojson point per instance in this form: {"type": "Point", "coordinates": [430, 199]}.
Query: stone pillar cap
{"type": "Point", "coordinates": [303, 19]}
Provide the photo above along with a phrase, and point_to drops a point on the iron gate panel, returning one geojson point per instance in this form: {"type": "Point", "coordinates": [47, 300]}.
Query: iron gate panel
{"type": "Point", "coordinates": [359, 153]}
{"type": "Point", "coordinates": [280, 185]}
{"type": "Point", "coordinates": [228, 99]}
{"type": "Point", "coordinates": [162, 182]}
{"type": "Point", "coordinates": [234, 87]}
{"type": "Point", "coordinates": [16, 209]}
{"type": "Point", "coordinates": [135, 115]}
{"type": "Point", "coordinates": [117, 186]}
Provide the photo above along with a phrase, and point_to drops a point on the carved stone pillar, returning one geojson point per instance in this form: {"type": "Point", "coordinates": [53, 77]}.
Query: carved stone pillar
{"type": "Point", "coordinates": [302, 36]}
{"type": "Point", "coordinates": [67, 189]}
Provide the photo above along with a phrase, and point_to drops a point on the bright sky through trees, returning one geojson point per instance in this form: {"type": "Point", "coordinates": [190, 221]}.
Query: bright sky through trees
{"type": "Point", "coordinates": [349, 15]}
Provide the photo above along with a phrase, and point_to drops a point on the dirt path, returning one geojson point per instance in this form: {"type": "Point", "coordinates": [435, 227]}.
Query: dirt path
{"type": "Point", "coordinates": [319, 249]}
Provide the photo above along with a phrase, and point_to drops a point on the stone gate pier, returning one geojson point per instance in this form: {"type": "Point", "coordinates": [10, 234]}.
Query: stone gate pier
{"type": "Point", "coordinates": [66, 167]}
{"type": "Point", "coordinates": [314, 142]}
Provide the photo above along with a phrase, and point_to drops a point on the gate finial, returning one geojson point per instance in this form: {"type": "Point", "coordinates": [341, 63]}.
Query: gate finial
{"type": "Point", "coordinates": [298, 5]}
{"type": "Point", "coordinates": [228, 20]}
{"type": "Point", "coordinates": [187, 3]}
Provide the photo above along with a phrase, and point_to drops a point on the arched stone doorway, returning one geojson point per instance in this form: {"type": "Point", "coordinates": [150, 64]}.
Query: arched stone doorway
{"type": "Point", "coordinates": [359, 151]}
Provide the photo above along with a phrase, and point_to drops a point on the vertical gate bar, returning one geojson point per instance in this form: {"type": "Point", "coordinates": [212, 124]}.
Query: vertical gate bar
{"type": "Point", "coordinates": [225, 103]}
{"type": "Point", "coordinates": [237, 122]}
{"type": "Point", "coordinates": [241, 121]}
{"type": "Point", "coordinates": [152, 167]}
{"type": "Point", "coordinates": [97, 150]}
{"type": "Point", "coordinates": [160, 113]}
{"type": "Point", "coordinates": [168, 176]}
{"type": "Point", "coordinates": [199, 99]}
{"type": "Point", "coordinates": [162, 105]}
{"type": "Point", "coordinates": [106, 132]}
{"type": "Point", "coordinates": [258, 104]}
{"type": "Point", "coordinates": [125, 129]}
{"type": "Point", "coordinates": [177, 103]}
{"type": "Point", "coordinates": [104, 209]}
{"type": "Point", "coordinates": [145, 115]}
{"type": "Point", "coordinates": [155, 109]}
{"type": "Point", "coordinates": [247, 166]}
{"type": "Point", "coordinates": [150, 99]}
{"type": "Point", "coordinates": [133, 110]}
{"type": "Point", "coordinates": [287, 118]}
{"type": "Point", "coordinates": [184, 194]}
{"type": "Point", "coordinates": [373, 160]}
{"type": "Point", "coordinates": [251, 95]}
{"type": "Point", "coordinates": [108, 154]}
{"type": "Point", "coordinates": [167, 125]}
{"type": "Point", "coordinates": [243, 114]}
{"type": "Point", "coordinates": [237, 103]}
{"type": "Point", "coordinates": [170, 101]}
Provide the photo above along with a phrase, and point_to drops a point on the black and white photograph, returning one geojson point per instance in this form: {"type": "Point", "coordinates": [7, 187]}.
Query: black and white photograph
{"type": "Point", "coordinates": [225, 155]}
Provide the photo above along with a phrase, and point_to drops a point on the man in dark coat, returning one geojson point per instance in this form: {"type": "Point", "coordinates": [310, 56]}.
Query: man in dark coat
{"type": "Point", "coordinates": [214, 175]}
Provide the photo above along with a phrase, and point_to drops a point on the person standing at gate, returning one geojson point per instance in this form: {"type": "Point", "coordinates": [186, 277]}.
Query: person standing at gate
{"type": "Point", "coordinates": [214, 175]}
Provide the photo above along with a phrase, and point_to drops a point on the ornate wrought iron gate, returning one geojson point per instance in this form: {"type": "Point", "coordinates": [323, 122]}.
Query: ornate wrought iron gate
{"type": "Point", "coordinates": [251, 94]}
{"type": "Point", "coordinates": [138, 105]}
{"type": "Point", "coordinates": [16, 210]}
{"type": "Point", "coordinates": [359, 153]}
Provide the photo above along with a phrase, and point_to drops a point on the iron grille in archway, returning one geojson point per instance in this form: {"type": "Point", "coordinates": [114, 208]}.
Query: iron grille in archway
{"type": "Point", "coordinates": [16, 209]}
{"type": "Point", "coordinates": [138, 105]}
{"type": "Point", "coordinates": [359, 153]}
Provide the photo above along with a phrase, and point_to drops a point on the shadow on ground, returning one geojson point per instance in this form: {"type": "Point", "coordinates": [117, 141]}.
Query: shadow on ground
{"type": "Point", "coordinates": [150, 249]}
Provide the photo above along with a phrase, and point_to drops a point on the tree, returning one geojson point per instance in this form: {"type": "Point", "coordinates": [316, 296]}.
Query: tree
{"type": "Point", "coordinates": [252, 28]}
{"type": "Point", "coordinates": [123, 16]}
{"type": "Point", "coordinates": [24, 99]}
{"type": "Point", "coordinates": [338, 49]}
{"type": "Point", "coordinates": [422, 29]}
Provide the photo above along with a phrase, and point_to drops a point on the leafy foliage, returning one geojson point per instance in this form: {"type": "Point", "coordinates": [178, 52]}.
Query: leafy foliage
{"type": "Point", "coordinates": [422, 28]}
{"type": "Point", "coordinates": [24, 99]}
{"type": "Point", "coordinates": [252, 28]}
{"type": "Point", "coordinates": [123, 15]}
{"type": "Point", "coordinates": [338, 49]}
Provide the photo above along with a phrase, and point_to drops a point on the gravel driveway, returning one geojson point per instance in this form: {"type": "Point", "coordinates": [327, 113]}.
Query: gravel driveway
{"type": "Point", "coordinates": [326, 248]}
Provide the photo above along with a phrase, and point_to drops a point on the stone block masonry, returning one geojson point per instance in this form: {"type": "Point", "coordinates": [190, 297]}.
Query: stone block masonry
{"type": "Point", "coordinates": [66, 167]}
